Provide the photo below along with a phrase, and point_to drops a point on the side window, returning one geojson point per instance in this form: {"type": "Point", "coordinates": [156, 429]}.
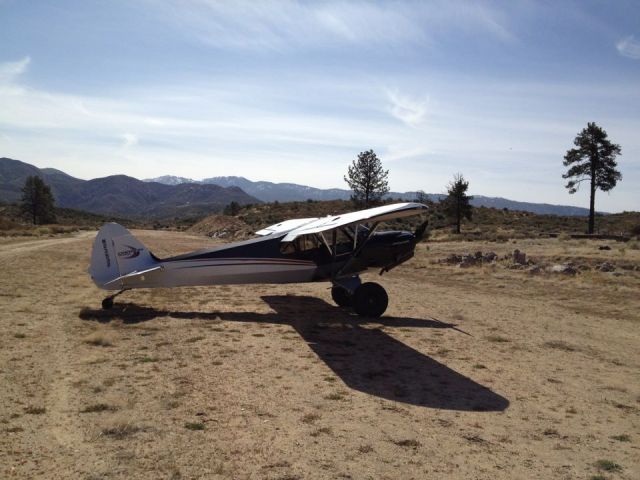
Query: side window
{"type": "Point", "coordinates": [287, 248]}
{"type": "Point", "coordinates": [308, 242]}
{"type": "Point", "coordinates": [301, 244]}
{"type": "Point", "coordinates": [344, 243]}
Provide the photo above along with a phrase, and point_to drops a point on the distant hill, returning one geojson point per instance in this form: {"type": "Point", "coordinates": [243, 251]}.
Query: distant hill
{"type": "Point", "coordinates": [488, 223]}
{"type": "Point", "coordinates": [291, 192]}
{"type": "Point", "coordinates": [120, 194]}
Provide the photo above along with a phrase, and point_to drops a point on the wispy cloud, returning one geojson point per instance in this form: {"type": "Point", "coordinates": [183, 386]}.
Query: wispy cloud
{"type": "Point", "coordinates": [477, 86]}
{"type": "Point", "coordinates": [408, 110]}
{"type": "Point", "coordinates": [129, 140]}
{"type": "Point", "coordinates": [629, 47]}
{"type": "Point", "coordinates": [9, 71]}
{"type": "Point", "coordinates": [290, 25]}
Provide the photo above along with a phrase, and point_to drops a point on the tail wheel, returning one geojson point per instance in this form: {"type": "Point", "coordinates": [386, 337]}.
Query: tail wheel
{"type": "Point", "coordinates": [341, 296]}
{"type": "Point", "coordinates": [370, 300]}
{"type": "Point", "coordinates": [107, 303]}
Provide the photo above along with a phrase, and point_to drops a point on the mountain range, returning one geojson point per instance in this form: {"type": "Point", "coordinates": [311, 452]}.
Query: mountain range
{"type": "Point", "coordinates": [120, 194]}
{"type": "Point", "coordinates": [169, 196]}
{"type": "Point", "coordinates": [285, 192]}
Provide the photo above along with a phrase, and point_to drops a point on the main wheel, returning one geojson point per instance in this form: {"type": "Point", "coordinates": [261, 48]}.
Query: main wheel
{"type": "Point", "coordinates": [341, 296]}
{"type": "Point", "coordinates": [107, 303]}
{"type": "Point", "coordinates": [370, 300]}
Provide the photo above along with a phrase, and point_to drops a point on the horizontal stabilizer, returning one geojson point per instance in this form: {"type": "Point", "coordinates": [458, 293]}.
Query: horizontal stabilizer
{"type": "Point", "coordinates": [133, 275]}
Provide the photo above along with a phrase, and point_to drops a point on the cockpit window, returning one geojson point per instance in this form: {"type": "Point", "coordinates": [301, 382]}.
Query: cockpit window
{"type": "Point", "coordinates": [287, 248]}
{"type": "Point", "coordinates": [307, 242]}
{"type": "Point", "coordinates": [303, 243]}
{"type": "Point", "coordinates": [344, 241]}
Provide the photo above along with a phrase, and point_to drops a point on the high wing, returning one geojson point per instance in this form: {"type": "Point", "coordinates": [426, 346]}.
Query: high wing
{"type": "Point", "coordinates": [285, 226]}
{"type": "Point", "coordinates": [377, 214]}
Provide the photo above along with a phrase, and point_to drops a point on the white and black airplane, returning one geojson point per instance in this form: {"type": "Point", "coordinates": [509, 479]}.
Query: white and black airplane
{"type": "Point", "coordinates": [336, 248]}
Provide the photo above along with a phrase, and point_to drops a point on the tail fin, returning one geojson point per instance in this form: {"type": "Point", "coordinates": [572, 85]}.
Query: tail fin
{"type": "Point", "coordinates": [117, 253]}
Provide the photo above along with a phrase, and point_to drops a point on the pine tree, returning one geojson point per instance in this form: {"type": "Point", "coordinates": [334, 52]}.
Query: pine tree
{"type": "Point", "coordinates": [421, 197]}
{"type": "Point", "coordinates": [232, 209]}
{"type": "Point", "coordinates": [37, 201]}
{"type": "Point", "coordinates": [456, 204]}
{"type": "Point", "coordinates": [592, 160]}
{"type": "Point", "coordinates": [367, 179]}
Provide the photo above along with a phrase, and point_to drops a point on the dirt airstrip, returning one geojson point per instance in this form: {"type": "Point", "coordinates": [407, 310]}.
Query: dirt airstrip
{"type": "Point", "coordinates": [482, 372]}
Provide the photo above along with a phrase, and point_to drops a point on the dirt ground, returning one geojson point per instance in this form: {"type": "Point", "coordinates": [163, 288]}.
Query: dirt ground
{"type": "Point", "coordinates": [481, 372]}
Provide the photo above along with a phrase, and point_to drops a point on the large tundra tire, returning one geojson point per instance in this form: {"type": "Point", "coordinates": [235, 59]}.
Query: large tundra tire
{"type": "Point", "coordinates": [370, 300]}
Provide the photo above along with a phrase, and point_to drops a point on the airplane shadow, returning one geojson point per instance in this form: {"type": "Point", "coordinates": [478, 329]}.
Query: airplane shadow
{"type": "Point", "coordinates": [366, 358]}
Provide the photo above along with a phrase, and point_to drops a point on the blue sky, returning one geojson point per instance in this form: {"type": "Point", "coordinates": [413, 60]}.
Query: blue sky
{"type": "Point", "coordinates": [292, 91]}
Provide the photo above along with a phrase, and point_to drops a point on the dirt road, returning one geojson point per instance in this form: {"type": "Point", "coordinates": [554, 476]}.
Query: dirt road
{"type": "Point", "coordinates": [472, 373]}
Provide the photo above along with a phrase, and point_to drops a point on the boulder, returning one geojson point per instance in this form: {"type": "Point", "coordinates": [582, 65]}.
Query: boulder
{"type": "Point", "coordinates": [519, 257]}
{"type": "Point", "coordinates": [489, 257]}
{"type": "Point", "coordinates": [453, 258]}
{"type": "Point", "coordinates": [606, 267]}
{"type": "Point", "coordinates": [565, 269]}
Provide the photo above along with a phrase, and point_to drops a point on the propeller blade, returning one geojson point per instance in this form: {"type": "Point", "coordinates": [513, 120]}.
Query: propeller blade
{"type": "Point", "coordinates": [419, 233]}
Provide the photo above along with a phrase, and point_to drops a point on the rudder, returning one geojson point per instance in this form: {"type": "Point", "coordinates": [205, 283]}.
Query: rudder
{"type": "Point", "coordinates": [117, 253]}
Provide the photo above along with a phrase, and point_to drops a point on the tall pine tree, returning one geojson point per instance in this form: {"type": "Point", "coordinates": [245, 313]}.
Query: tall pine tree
{"type": "Point", "coordinates": [367, 179]}
{"type": "Point", "coordinates": [37, 201]}
{"type": "Point", "coordinates": [456, 205]}
{"type": "Point", "coordinates": [593, 160]}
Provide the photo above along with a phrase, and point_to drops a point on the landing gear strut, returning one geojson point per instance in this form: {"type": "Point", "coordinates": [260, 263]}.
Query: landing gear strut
{"type": "Point", "coordinates": [343, 289]}
{"type": "Point", "coordinates": [368, 299]}
{"type": "Point", "coordinates": [107, 303]}
{"type": "Point", "coordinates": [341, 296]}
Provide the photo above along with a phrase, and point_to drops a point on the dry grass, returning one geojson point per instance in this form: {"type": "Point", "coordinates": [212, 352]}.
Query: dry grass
{"type": "Point", "coordinates": [99, 339]}
{"type": "Point", "coordinates": [121, 430]}
{"type": "Point", "coordinates": [288, 386]}
{"type": "Point", "coordinates": [409, 442]}
{"type": "Point", "coordinates": [32, 410]}
{"type": "Point", "coordinates": [310, 418]}
{"type": "Point", "coordinates": [560, 345]}
{"type": "Point", "coordinates": [194, 426]}
{"type": "Point", "coordinates": [99, 407]}
{"type": "Point", "coordinates": [608, 466]}
{"type": "Point", "coordinates": [497, 339]}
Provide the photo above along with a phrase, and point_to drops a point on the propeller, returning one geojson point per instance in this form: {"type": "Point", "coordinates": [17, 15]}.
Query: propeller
{"type": "Point", "coordinates": [419, 233]}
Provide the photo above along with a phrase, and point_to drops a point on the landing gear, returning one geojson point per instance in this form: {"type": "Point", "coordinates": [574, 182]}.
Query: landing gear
{"type": "Point", "coordinates": [370, 300]}
{"type": "Point", "coordinates": [107, 303]}
{"type": "Point", "coordinates": [342, 290]}
{"type": "Point", "coordinates": [341, 296]}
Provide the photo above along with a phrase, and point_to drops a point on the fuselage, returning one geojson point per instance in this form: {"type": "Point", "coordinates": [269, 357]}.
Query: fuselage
{"type": "Point", "coordinates": [269, 260]}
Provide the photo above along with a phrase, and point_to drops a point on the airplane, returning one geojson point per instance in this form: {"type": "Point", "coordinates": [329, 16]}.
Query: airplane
{"type": "Point", "coordinates": [335, 248]}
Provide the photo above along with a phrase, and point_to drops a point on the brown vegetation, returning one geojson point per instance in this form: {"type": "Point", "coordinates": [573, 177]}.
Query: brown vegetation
{"type": "Point", "coordinates": [487, 223]}
{"type": "Point", "coordinates": [483, 372]}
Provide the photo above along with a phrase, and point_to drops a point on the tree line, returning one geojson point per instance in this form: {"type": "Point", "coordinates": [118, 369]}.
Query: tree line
{"type": "Point", "coordinates": [592, 161]}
